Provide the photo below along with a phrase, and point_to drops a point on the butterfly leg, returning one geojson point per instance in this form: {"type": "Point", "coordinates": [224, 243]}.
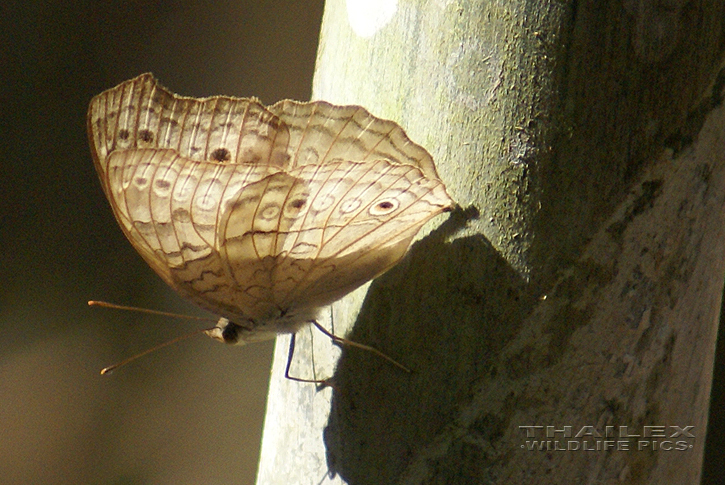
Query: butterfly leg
{"type": "Point", "coordinates": [344, 341]}
{"type": "Point", "coordinates": [322, 383]}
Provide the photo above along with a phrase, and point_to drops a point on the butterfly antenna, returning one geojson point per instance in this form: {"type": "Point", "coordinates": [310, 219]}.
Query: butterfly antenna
{"type": "Point", "coordinates": [104, 304]}
{"type": "Point", "coordinates": [110, 368]}
{"type": "Point", "coordinates": [351, 343]}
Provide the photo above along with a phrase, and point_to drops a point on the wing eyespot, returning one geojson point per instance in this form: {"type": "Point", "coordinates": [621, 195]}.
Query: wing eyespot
{"type": "Point", "coordinates": [384, 207]}
{"type": "Point", "coordinates": [323, 203]}
{"type": "Point", "coordinates": [162, 187]}
{"type": "Point", "coordinates": [294, 207]}
{"type": "Point", "coordinates": [298, 203]}
{"type": "Point", "coordinates": [206, 202]}
{"type": "Point", "coordinates": [146, 136]}
{"type": "Point", "coordinates": [349, 205]}
{"type": "Point", "coordinates": [269, 212]}
{"type": "Point", "coordinates": [221, 155]}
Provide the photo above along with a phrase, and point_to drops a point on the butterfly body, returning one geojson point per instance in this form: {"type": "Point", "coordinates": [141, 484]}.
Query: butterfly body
{"type": "Point", "coordinates": [260, 215]}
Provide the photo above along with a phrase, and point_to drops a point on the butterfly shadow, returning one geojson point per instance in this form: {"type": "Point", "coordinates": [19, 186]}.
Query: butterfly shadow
{"type": "Point", "coordinates": [445, 312]}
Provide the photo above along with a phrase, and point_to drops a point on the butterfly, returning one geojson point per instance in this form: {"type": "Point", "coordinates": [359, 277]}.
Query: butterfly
{"type": "Point", "coordinates": [261, 215]}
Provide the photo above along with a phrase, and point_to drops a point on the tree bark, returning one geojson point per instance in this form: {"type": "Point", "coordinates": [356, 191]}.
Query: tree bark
{"type": "Point", "coordinates": [577, 291]}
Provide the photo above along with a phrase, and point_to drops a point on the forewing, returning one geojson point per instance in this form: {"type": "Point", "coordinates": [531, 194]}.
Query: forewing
{"type": "Point", "coordinates": [140, 113]}
{"type": "Point", "coordinates": [321, 133]}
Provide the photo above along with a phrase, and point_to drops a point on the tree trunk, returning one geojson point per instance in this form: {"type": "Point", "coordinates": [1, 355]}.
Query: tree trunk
{"type": "Point", "coordinates": [573, 302]}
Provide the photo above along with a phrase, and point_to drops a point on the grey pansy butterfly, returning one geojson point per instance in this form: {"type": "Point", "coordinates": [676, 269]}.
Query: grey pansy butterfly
{"type": "Point", "coordinates": [262, 215]}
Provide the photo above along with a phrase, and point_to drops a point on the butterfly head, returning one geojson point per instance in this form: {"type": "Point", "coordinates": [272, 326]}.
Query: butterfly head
{"type": "Point", "coordinates": [231, 333]}
{"type": "Point", "coordinates": [226, 332]}
{"type": "Point", "coordinates": [251, 330]}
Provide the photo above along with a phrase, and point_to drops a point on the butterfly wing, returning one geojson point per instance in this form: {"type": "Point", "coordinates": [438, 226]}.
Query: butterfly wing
{"type": "Point", "coordinates": [323, 230]}
{"type": "Point", "coordinates": [321, 133]}
{"type": "Point", "coordinates": [257, 213]}
{"type": "Point", "coordinates": [140, 113]}
{"type": "Point", "coordinates": [167, 163]}
{"type": "Point", "coordinates": [169, 207]}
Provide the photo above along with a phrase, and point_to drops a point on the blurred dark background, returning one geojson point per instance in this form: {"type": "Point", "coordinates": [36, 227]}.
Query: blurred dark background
{"type": "Point", "coordinates": [191, 413]}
